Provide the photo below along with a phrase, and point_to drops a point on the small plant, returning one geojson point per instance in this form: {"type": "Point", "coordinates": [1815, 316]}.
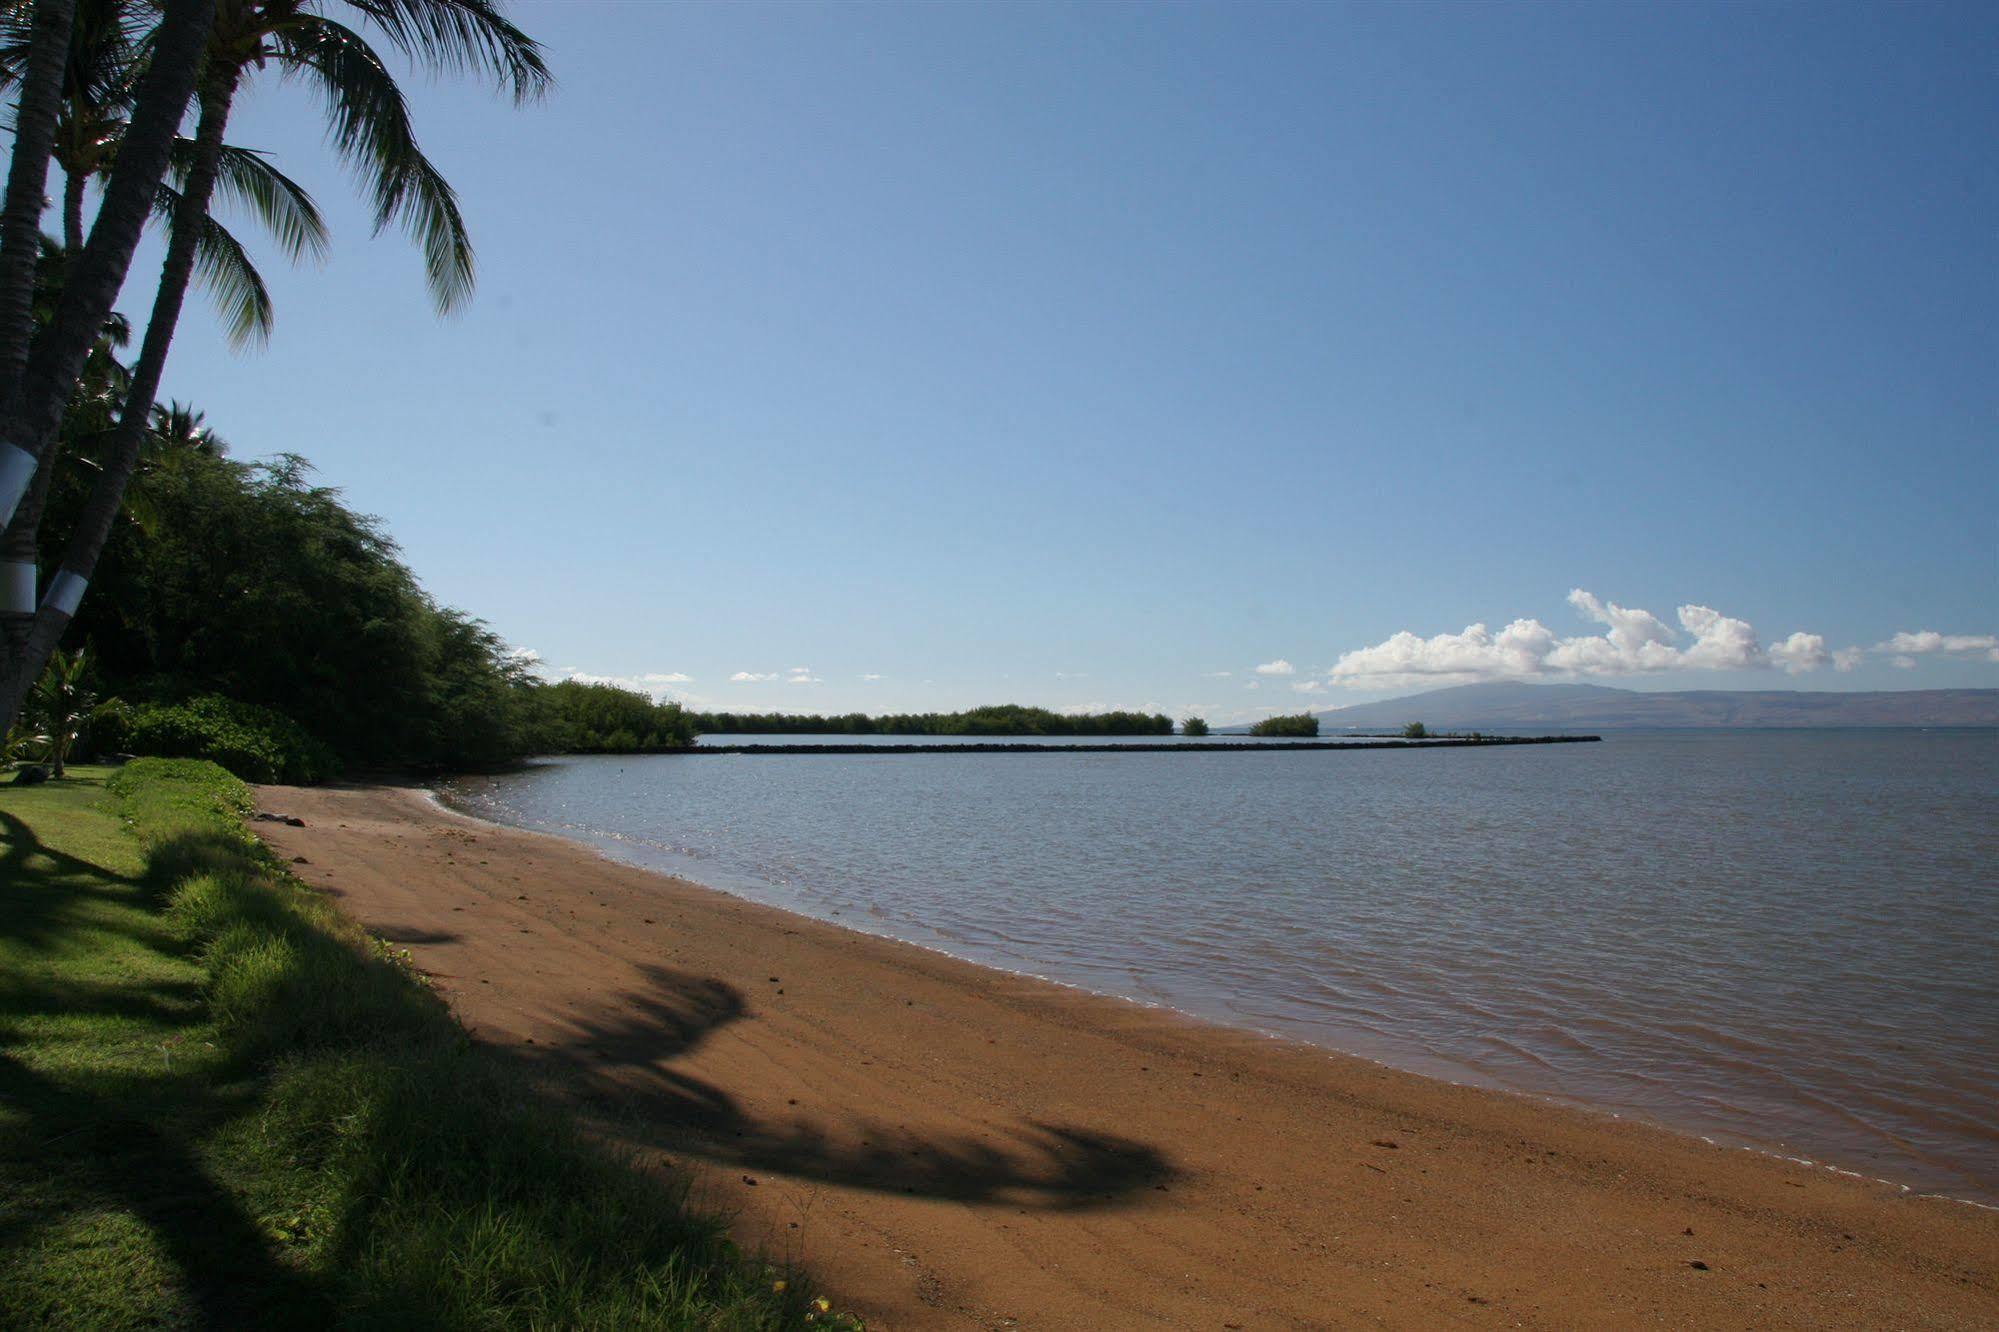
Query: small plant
{"type": "Point", "coordinates": [1415, 731]}
{"type": "Point", "coordinates": [24, 743]}
{"type": "Point", "coordinates": [1194, 726]}
{"type": "Point", "coordinates": [61, 706]}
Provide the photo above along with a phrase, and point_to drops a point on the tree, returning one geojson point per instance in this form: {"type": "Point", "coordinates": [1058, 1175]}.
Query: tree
{"type": "Point", "coordinates": [370, 129]}
{"type": "Point", "coordinates": [1415, 731]}
{"type": "Point", "coordinates": [106, 55]}
{"type": "Point", "coordinates": [1194, 726]}
{"type": "Point", "coordinates": [41, 360]}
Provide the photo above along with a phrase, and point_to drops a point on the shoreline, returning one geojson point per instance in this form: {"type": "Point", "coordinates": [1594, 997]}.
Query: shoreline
{"type": "Point", "coordinates": [1440, 1069]}
{"type": "Point", "coordinates": [1286, 1154]}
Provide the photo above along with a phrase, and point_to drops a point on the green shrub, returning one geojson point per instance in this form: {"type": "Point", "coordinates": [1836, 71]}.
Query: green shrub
{"type": "Point", "coordinates": [1415, 731]}
{"type": "Point", "coordinates": [255, 743]}
{"type": "Point", "coordinates": [1302, 725]}
{"type": "Point", "coordinates": [1194, 726]}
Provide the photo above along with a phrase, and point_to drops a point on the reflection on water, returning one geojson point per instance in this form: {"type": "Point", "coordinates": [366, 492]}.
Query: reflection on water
{"type": "Point", "coordinates": [1778, 937]}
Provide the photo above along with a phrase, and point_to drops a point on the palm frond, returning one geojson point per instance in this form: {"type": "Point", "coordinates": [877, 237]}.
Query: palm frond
{"type": "Point", "coordinates": [224, 268]}
{"type": "Point", "coordinates": [246, 178]}
{"type": "Point", "coordinates": [458, 35]}
{"type": "Point", "coordinates": [369, 125]}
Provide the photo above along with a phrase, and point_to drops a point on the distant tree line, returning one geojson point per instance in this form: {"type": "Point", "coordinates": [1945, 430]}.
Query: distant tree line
{"type": "Point", "coordinates": [998, 719]}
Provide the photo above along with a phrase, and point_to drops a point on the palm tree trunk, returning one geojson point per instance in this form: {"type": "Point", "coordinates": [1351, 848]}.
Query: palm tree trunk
{"type": "Point", "coordinates": [32, 399]}
{"type": "Point", "coordinates": [20, 559]}
{"type": "Point", "coordinates": [93, 527]}
{"type": "Point", "coordinates": [72, 210]}
{"type": "Point", "coordinates": [21, 223]}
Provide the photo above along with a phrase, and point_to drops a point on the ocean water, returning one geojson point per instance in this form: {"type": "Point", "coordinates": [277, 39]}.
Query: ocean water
{"type": "Point", "coordinates": [1782, 939]}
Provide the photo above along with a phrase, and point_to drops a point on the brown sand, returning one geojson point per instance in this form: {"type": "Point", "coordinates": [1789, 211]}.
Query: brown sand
{"type": "Point", "coordinates": [951, 1147]}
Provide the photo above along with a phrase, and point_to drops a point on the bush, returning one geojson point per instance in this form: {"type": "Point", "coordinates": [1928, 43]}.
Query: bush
{"type": "Point", "coordinates": [1303, 725]}
{"type": "Point", "coordinates": [1194, 726]}
{"type": "Point", "coordinates": [256, 744]}
{"type": "Point", "coordinates": [1415, 731]}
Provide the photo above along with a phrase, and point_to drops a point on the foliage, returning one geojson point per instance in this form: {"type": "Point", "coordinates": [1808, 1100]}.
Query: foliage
{"type": "Point", "coordinates": [998, 719]}
{"type": "Point", "coordinates": [250, 582]}
{"type": "Point", "coordinates": [23, 743]}
{"type": "Point", "coordinates": [61, 705]}
{"type": "Point", "coordinates": [1415, 731]}
{"type": "Point", "coordinates": [1302, 725]}
{"type": "Point", "coordinates": [576, 717]}
{"type": "Point", "coordinates": [161, 797]}
{"type": "Point", "coordinates": [237, 1112]}
{"type": "Point", "coordinates": [257, 744]}
{"type": "Point", "coordinates": [1194, 726]}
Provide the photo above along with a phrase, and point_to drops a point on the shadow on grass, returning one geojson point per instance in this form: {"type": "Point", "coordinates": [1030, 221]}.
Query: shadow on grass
{"type": "Point", "coordinates": [118, 1145]}
{"type": "Point", "coordinates": [620, 1060]}
{"type": "Point", "coordinates": [34, 901]}
{"type": "Point", "coordinates": [85, 1132]}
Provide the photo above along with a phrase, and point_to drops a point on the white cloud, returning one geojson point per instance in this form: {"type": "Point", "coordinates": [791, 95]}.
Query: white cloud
{"type": "Point", "coordinates": [670, 677]}
{"type": "Point", "coordinates": [1633, 642]}
{"type": "Point", "coordinates": [1278, 667]}
{"type": "Point", "coordinates": [1310, 687]}
{"type": "Point", "coordinates": [803, 679]}
{"type": "Point", "coordinates": [1072, 675]}
{"type": "Point", "coordinates": [1721, 643]}
{"type": "Point", "coordinates": [871, 677]}
{"type": "Point", "coordinates": [752, 677]}
{"type": "Point", "coordinates": [1848, 658]}
{"type": "Point", "coordinates": [1802, 652]}
{"type": "Point", "coordinates": [1083, 709]}
{"type": "Point", "coordinates": [1928, 642]}
{"type": "Point", "coordinates": [1903, 663]}
{"type": "Point", "coordinates": [1217, 675]}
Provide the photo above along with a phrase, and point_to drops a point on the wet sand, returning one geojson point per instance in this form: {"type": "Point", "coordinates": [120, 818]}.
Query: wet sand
{"type": "Point", "coordinates": [947, 1146]}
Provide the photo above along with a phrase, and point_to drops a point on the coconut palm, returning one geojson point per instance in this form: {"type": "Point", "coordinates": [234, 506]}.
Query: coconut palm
{"type": "Point", "coordinates": [369, 127]}
{"type": "Point", "coordinates": [107, 52]}
{"type": "Point", "coordinates": [107, 49]}
{"type": "Point", "coordinates": [40, 361]}
{"type": "Point", "coordinates": [177, 426]}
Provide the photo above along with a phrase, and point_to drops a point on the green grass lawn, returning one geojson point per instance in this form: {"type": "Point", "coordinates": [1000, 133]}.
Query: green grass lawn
{"type": "Point", "coordinates": [221, 1105]}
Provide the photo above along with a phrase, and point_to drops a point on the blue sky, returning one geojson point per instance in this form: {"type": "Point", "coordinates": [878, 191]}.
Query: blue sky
{"type": "Point", "coordinates": [1077, 355]}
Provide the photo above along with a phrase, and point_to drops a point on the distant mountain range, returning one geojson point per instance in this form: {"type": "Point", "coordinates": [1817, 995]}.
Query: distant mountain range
{"type": "Point", "coordinates": [1511, 705]}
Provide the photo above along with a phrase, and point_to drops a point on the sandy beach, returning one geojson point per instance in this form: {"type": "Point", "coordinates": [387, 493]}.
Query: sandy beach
{"type": "Point", "coordinates": [947, 1146]}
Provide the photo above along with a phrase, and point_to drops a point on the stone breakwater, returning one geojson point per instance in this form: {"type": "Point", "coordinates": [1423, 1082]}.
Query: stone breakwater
{"type": "Point", "coordinates": [1244, 746]}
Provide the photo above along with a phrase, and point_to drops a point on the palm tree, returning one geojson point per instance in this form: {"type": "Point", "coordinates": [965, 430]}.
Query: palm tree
{"type": "Point", "coordinates": [177, 426]}
{"type": "Point", "coordinates": [39, 363]}
{"type": "Point", "coordinates": [107, 45]}
{"type": "Point", "coordinates": [368, 121]}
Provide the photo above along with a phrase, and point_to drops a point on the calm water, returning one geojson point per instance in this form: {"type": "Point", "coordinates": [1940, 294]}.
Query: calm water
{"type": "Point", "coordinates": [1786, 938]}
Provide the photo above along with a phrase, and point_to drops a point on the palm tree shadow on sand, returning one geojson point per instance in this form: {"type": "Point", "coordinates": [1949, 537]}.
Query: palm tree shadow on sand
{"type": "Point", "coordinates": [616, 1059]}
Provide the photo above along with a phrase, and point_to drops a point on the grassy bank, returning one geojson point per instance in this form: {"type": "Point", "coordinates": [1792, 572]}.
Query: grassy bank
{"type": "Point", "coordinates": [222, 1105]}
